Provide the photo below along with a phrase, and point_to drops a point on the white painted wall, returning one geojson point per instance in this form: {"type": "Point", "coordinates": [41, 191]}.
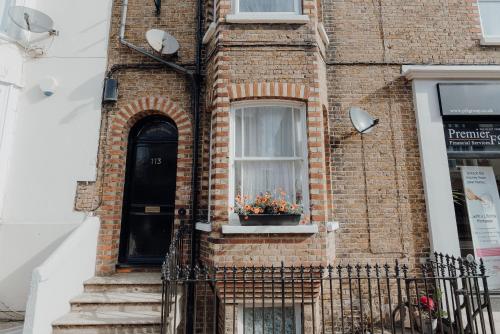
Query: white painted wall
{"type": "Point", "coordinates": [436, 176]}
{"type": "Point", "coordinates": [53, 140]}
{"type": "Point", "coordinates": [60, 278]}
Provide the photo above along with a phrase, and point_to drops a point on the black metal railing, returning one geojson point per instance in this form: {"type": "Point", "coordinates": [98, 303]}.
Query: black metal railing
{"type": "Point", "coordinates": [175, 258]}
{"type": "Point", "coordinates": [446, 295]}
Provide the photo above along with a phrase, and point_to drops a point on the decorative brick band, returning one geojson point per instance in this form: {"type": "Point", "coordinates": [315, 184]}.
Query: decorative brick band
{"type": "Point", "coordinates": [280, 90]}
{"type": "Point", "coordinates": [115, 161]}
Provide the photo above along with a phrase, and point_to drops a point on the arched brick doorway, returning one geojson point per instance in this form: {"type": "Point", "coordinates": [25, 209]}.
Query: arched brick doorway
{"type": "Point", "coordinates": [114, 166]}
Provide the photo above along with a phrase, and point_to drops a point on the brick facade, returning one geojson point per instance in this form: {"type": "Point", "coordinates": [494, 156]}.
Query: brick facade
{"type": "Point", "coordinates": [371, 184]}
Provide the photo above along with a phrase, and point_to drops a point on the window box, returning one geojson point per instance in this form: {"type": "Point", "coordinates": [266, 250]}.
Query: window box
{"type": "Point", "coordinates": [269, 220]}
{"type": "Point", "coordinates": [268, 230]}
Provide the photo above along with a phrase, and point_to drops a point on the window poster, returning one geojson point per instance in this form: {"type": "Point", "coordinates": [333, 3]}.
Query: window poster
{"type": "Point", "coordinates": [483, 206]}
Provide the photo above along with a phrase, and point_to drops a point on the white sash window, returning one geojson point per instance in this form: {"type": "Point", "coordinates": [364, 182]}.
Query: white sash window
{"type": "Point", "coordinates": [269, 150]}
{"type": "Point", "coordinates": [267, 6]}
{"type": "Point", "coordinates": [490, 18]}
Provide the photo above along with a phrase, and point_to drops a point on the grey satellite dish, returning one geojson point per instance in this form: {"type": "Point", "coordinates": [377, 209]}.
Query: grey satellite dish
{"type": "Point", "coordinates": [162, 41]}
{"type": "Point", "coordinates": [362, 121]}
{"type": "Point", "coordinates": [32, 20]}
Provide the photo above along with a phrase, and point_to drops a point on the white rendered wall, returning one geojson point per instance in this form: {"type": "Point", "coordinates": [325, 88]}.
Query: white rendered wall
{"type": "Point", "coordinates": [54, 140]}
{"type": "Point", "coordinates": [436, 176]}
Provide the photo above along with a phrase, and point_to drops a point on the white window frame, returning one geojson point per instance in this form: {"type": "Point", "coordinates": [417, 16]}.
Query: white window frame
{"type": "Point", "coordinates": [232, 149]}
{"type": "Point", "coordinates": [298, 315]}
{"type": "Point", "coordinates": [5, 16]}
{"type": "Point", "coordinates": [297, 4]}
{"type": "Point", "coordinates": [487, 39]}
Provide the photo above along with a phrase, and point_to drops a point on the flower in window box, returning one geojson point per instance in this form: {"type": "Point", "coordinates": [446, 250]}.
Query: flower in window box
{"type": "Point", "coordinates": [266, 209]}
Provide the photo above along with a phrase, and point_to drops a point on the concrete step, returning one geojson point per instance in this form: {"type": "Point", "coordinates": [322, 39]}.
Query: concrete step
{"type": "Point", "coordinates": [125, 282]}
{"type": "Point", "coordinates": [108, 322]}
{"type": "Point", "coordinates": [117, 301]}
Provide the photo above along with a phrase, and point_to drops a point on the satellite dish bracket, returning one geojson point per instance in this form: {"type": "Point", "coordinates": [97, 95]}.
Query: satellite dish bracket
{"type": "Point", "coordinates": [158, 6]}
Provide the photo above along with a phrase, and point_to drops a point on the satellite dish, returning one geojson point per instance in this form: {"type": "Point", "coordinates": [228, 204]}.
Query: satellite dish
{"type": "Point", "coordinates": [162, 41]}
{"type": "Point", "coordinates": [31, 20]}
{"type": "Point", "coordinates": [362, 121]}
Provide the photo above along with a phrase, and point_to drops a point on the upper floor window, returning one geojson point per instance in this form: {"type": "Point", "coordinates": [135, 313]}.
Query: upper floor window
{"type": "Point", "coordinates": [5, 21]}
{"type": "Point", "coordinates": [268, 6]}
{"type": "Point", "coordinates": [269, 151]}
{"type": "Point", "coordinates": [490, 18]}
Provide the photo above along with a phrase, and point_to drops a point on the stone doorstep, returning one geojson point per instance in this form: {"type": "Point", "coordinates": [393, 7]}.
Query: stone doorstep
{"type": "Point", "coordinates": [108, 318]}
{"type": "Point", "coordinates": [125, 282]}
{"type": "Point", "coordinates": [126, 279]}
{"type": "Point", "coordinates": [122, 303]}
{"type": "Point", "coordinates": [119, 301]}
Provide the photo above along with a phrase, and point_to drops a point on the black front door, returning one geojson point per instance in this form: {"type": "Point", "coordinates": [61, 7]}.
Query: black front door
{"type": "Point", "coordinates": [149, 199]}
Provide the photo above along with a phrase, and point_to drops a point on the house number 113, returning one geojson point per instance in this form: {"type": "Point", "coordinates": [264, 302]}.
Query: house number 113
{"type": "Point", "coordinates": [156, 161]}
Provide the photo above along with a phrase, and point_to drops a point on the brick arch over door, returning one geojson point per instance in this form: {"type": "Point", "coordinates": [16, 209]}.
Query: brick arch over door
{"type": "Point", "coordinates": [115, 161]}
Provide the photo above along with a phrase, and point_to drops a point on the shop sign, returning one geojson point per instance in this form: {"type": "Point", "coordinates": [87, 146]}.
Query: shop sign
{"type": "Point", "coordinates": [483, 207]}
{"type": "Point", "coordinates": [481, 99]}
{"type": "Point", "coordinates": [474, 135]}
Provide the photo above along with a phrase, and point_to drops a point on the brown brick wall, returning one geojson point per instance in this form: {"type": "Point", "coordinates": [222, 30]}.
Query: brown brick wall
{"type": "Point", "coordinates": [376, 178]}
{"type": "Point", "coordinates": [372, 185]}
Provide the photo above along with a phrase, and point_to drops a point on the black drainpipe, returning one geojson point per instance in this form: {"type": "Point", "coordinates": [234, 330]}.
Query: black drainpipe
{"type": "Point", "coordinates": [195, 80]}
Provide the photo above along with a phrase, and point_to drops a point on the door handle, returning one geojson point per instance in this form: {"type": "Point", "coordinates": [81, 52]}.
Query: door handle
{"type": "Point", "coordinates": [182, 212]}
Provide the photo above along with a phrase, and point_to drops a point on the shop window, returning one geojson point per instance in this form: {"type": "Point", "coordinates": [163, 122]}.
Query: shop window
{"type": "Point", "coordinates": [474, 163]}
{"type": "Point", "coordinates": [260, 320]}
{"type": "Point", "coordinates": [269, 151]}
{"type": "Point", "coordinates": [267, 6]}
{"type": "Point", "coordinates": [489, 11]}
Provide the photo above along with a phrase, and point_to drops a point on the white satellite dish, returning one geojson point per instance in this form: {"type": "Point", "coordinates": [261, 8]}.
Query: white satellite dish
{"type": "Point", "coordinates": [362, 121]}
{"type": "Point", "coordinates": [32, 20]}
{"type": "Point", "coordinates": [162, 41]}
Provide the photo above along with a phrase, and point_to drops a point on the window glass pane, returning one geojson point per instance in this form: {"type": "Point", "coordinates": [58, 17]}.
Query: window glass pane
{"type": "Point", "coordinates": [237, 133]}
{"type": "Point", "coordinates": [258, 177]}
{"type": "Point", "coordinates": [299, 182]}
{"type": "Point", "coordinates": [490, 17]}
{"type": "Point", "coordinates": [267, 5]}
{"type": "Point", "coordinates": [474, 165]}
{"type": "Point", "coordinates": [238, 190]}
{"type": "Point", "coordinates": [262, 317]}
{"type": "Point", "coordinates": [299, 133]}
{"type": "Point", "coordinates": [268, 132]}
{"type": "Point", "coordinates": [5, 21]}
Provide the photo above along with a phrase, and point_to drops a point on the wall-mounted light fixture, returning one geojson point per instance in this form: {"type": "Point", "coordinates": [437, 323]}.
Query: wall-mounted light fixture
{"type": "Point", "coordinates": [110, 93]}
{"type": "Point", "coordinates": [48, 86]}
{"type": "Point", "coordinates": [362, 121]}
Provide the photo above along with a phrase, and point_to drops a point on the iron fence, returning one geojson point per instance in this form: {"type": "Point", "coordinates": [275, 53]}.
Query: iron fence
{"type": "Point", "coordinates": [446, 295]}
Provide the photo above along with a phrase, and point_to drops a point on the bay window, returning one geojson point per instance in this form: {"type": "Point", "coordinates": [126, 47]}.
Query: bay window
{"type": "Point", "coordinates": [489, 11]}
{"type": "Point", "coordinates": [269, 151]}
{"type": "Point", "coordinates": [267, 6]}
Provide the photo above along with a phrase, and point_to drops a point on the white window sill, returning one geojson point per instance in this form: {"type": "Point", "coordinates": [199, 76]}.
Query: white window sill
{"type": "Point", "coordinates": [297, 229]}
{"type": "Point", "coordinates": [205, 227]}
{"type": "Point", "coordinates": [490, 41]}
{"type": "Point", "coordinates": [267, 18]}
